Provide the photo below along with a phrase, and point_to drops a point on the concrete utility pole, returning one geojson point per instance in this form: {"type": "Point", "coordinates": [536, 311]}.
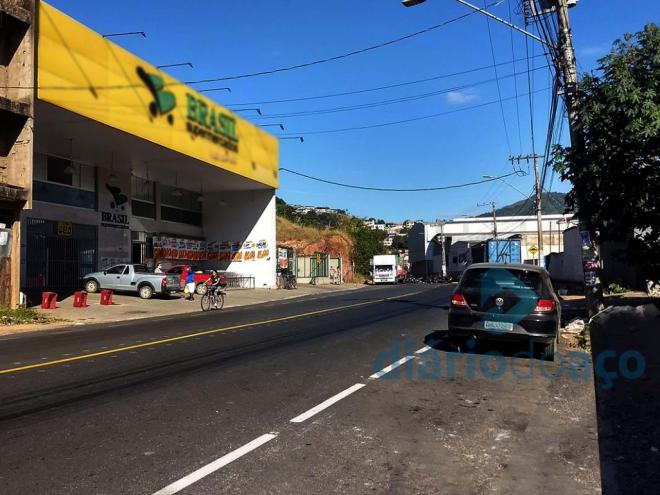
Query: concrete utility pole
{"type": "Point", "coordinates": [591, 257]}
{"type": "Point", "coordinates": [492, 204]}
{"type": "Point", "coordinates": [568, 70]}
{"type": "Point", "coordinates": [537, 202]}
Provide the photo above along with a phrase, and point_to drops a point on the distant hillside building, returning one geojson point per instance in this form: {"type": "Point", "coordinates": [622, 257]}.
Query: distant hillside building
{"type": "Point", "coordinates": [303, 210]}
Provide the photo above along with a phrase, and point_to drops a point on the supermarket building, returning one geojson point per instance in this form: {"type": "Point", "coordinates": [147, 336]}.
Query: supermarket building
{"type": "Point", "coordinates": [111, 160]}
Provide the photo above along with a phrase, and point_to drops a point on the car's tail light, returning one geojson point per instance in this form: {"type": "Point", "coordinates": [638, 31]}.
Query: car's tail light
{"type": "Point", "coordinates": [545, 306]}
{"type": "Point", "coordinates": [459, 300]}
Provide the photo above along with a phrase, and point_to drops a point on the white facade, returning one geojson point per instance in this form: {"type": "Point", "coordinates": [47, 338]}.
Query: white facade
{"type": "Point", "coordinates": [424, 239]}
{"type": "Point", "coordinates": [246, 216]}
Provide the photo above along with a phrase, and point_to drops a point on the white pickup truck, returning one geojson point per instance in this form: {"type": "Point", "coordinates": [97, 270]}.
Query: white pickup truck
{"type": "Point", "coordinates": [132, 278]}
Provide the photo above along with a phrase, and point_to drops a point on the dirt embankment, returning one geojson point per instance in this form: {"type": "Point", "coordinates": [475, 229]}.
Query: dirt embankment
{"type": "Point", "coordinates": [308, 240]}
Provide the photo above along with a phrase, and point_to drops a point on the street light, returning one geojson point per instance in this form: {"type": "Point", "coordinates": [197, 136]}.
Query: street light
{"type": "Point", "coordinates": [412, 3]}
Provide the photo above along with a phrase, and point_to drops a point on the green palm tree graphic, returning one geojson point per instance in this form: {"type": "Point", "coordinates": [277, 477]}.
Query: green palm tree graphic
{"type": "Point", "coordinates": [164, 101]}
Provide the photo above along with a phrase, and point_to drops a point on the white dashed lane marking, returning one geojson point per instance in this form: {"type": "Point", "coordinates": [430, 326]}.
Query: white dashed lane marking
{"type": "Point", "coordinates": [392, 366]}
{"type": "Point", "coordinates": [327, 403]}
{"type": "Point", "coordinates": [195, 476]}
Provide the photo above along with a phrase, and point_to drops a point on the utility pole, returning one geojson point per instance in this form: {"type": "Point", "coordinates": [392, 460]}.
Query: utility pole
{"type": "Point", "coordinates": [590, 252]}
{"type": "Point", "coordinates": [493, 206]}
{"type": "Point", "coordinates": [537, 202]}
{"type": "Point", "coordinates": [568, 70]}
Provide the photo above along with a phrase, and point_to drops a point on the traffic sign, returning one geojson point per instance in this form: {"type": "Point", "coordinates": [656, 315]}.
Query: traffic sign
{"type": "Point", "coordinates": [533, 249]}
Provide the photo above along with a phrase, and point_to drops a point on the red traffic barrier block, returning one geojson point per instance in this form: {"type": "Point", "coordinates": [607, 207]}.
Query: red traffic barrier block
{"type": "Point", "coordinates": [80, 299]}
{"type": "Point", "coordinates": [106, 297]}
{"type": "Point", "coordinates": [49, 300]}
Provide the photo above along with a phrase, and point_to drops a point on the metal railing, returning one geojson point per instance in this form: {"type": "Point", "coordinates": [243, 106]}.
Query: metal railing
{"type": "Point", "coordinates": [235, 281]}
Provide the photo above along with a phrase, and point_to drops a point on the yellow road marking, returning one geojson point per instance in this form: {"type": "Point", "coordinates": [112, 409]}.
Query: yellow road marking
{"type": "Point", "coordinates": [196, 334]}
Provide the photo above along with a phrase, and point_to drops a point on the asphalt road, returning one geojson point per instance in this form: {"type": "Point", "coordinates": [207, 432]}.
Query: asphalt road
{"type": "Point", "coordinates": [347, 393]}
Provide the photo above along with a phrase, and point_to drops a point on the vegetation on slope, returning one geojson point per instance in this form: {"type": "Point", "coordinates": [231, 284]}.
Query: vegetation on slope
{"type": "Point", "coordinates": [551, 203]}
{"type": "Point", "coordinates": [313, 228]}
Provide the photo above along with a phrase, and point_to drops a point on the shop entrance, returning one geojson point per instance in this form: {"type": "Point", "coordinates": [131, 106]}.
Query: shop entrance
{"type": "Point", "coordinates": [58, 255]}
{"type": "Point", "coordinates": [142, 250]}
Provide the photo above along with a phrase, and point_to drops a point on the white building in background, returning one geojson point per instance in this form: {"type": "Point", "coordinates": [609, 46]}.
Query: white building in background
{"type": "Point", "coordinates": [394, 228]}
{"type": "Point", "coordinates": [462, 235]}
{"type": "Point", "coordinates": [301, 209]}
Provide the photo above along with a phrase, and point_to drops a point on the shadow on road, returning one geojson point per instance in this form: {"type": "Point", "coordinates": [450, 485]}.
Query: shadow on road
{"type": "Point", "coordinates": [170, 364]}
{"type": "Point", "coordinates": [439, 340]}
{"type": "Point", "coordinates": [628, 408]}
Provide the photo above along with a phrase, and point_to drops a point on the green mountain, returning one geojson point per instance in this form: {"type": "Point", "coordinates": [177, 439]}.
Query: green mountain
{"type": "Point", "coordinates": [551, 203]}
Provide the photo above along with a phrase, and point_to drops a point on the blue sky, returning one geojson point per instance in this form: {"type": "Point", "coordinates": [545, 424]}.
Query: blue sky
{"type": "Point", "coordinates": [223, 38]}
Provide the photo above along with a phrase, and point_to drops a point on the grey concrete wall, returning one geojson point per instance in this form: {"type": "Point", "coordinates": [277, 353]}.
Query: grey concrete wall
{"type": "Point", "coordinates": [17, 81]}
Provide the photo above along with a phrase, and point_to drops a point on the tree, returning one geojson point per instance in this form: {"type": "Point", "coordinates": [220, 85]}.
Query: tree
{"type": "Point", "coordinates": [400, 242]}
{"type": "Point", "coordinates": [367, 244]}
{"type": "Point", "coordinates": [616, 175]}
{"type": "Point", "coordinates": [283, 209]}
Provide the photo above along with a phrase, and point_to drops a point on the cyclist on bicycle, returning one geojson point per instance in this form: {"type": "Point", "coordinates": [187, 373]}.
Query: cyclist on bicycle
{"type": "Point", "coordinates": [213, 284]}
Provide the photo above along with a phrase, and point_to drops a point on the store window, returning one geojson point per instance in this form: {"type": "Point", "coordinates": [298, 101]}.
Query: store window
{"type": "Point", "coordinates": [143, 196]}
{"type": "Point", "coordinates": [180, 205]}
{"type": "Point", "coordinates": [62, 181]}
{"type": "Point", "coordinates": [142, 247]}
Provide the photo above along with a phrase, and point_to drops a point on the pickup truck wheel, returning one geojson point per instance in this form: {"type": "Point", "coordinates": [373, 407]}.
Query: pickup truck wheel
{"type": "Point", "coordinates": [91, 286]}
{"type": "Point", "coordinates": [201, 289]}
{"type": "Point", "coordinates": [146, 292]}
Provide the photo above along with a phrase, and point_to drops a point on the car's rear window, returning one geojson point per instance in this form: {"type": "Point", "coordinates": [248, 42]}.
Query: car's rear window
{"type": "Point", "coordinates": [383, 268]}
{"type": "Point", "coordinates": [502, 278]}
{"type": "Point", "coordinates": [140, 269]}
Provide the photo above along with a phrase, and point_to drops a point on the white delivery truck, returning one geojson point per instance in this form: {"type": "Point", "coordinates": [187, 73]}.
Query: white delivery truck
{"type": "Point", "coordinates": [384, 269]}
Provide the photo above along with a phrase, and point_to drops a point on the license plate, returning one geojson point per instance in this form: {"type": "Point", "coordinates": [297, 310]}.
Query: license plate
{"type": "Point", "coordinates": [498, 325]}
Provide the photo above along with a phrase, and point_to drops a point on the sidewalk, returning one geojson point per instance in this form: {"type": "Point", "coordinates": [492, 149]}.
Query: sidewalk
{"type": "Point", "coordinates": [131, 307]}
{"type": "Point", "coordinates": [626, 347]}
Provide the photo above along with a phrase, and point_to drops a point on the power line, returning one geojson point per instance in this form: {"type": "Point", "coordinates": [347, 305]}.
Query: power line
{"type": "Point", "coordinates": [529, 93]}
{"type": "Point", "coordinates": [558, 140]}
{"type": "Point", "coordinates": [379, 88]}
{"type": "Point", "coordinates": [402, 99]}
{"type": "Point", "coordinates": [414, 119]}
{"type": "Point", "coordinates": [270, 71]}
{"type": "Point", "coordinates": [497, 80]}
{"type": "Point", "coordinates": [554, 102]}
{"type": "Point", "coordinates": [515, 79]}
{"type": "Point", "coordinates": [387, 189]}
{"type": "Point", "coordinates": [338, 57]}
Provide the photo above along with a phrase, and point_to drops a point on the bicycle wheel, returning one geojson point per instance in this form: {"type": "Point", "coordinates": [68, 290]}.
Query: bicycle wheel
{"type": "Point", "coordinates": [220, 299]}
{"type": "Point", "coordinates": [206, 302]}
{"type": "Point", "coordinates": [294, 283]}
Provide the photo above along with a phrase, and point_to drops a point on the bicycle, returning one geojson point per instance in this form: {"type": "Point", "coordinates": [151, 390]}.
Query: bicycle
{"type": "Point", "coordinates": [286, 280]}
{"type": "Point", "coordinates": [213, 299]}
{"type": "Point", "coordinates": [290, 281]}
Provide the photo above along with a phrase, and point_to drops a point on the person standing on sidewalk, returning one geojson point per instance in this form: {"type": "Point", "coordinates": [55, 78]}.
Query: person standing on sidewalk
{"type": "Point", "coordinates": [190, 283]}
